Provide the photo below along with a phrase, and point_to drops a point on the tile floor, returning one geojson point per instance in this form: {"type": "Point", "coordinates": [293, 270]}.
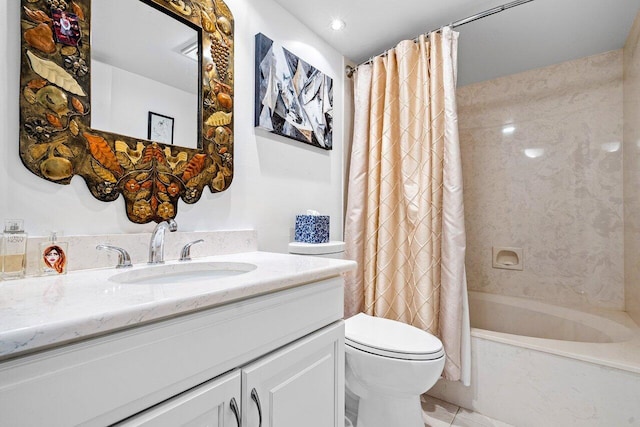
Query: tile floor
{"type": "Point", "coordinates": [438, 413]}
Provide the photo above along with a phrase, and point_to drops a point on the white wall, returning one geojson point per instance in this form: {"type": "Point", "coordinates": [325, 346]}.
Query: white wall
{"type": "Point", "coordinates": [121, 101]}
{"type": "Point", "coordinates": [275, 178]}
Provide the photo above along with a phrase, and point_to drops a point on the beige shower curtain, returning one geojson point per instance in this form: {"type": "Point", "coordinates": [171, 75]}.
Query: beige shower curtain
{"type": "Point", "coordinates": [405, 216]}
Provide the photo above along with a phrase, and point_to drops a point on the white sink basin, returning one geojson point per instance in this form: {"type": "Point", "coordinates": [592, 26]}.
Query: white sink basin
{"type": "Point", "coordinates": [182, 273]}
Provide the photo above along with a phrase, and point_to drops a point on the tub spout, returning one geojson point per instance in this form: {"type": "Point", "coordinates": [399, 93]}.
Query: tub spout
{"type": "Point", "coordinates": [156, 245]}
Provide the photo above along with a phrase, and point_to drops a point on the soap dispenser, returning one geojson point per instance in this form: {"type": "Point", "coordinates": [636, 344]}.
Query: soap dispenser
{"type": "Point", "coordinates": [14, 249]}
{"type": "Point", "coordinates": [53, 256]}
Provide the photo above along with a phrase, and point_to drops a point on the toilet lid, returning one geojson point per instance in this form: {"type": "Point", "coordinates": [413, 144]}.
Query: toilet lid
{"type": "Point", "coordinates": [302, 248]}
{"type": "Point", "coordinates": [390, 338]}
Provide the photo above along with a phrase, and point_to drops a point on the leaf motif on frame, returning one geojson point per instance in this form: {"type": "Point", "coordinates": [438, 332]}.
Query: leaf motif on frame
{"type": "Point", "coordinates": [64, 151]}
{"type": "Point", "coordinates": [54, 120]}
{"type": "Point", "coordinates": [194, 167]}
{"type": "Point", "coordinates": [38, 151]}
{"type": "Point", "coordinates": [103, 173]}
{"type": "Point", "coordinates": [121, 146]}
{"type": "Point", "coordinates": [151, 152]}
{"type": "Point", "coordinates": [218, 182]}
{"type": "Point", "coordinates": [77, 10]}
{"type": "Point", "coordinates": [143, 194]}
{"type": "Point", "coordinates": [77, 105]}
{"type": "Point", "coordinates": [36, 15]}
{"type": "Point", "coordinates": [142, 176]}
{"type": "Point", "coordinates": [101, 151]}
{"type": "Point", "coordinates": [164, 178]}
{"type": "Point", "coordinates": [74, 128]}
{"type": "Point", "coordinates": [124, 161]}
{"type": "Point", "coordinates": [164, 168]}
{"type": "Point", "coordinates": [219, 118]}
{"type": "Point", "coordinates": [223, 9]}
{"type": "Point", "coordinates": [208, 24]}
{"type": "Point", "coordinates": [29, 95]}
{"type": "Point", "coordinates": [180, 167]}
{"type": "Point", "coordinates": [173, 160]}
{"type": "Point", "coordinates": [55, 74]}
{"type": "Point", "coordinates": [37, 84]}
{"type": "Point", "coordinates": [160, 187]}
{"type": "Point", "coordinates": [154, 203]}
{"type": "Point", "coordinates": [194, 182]}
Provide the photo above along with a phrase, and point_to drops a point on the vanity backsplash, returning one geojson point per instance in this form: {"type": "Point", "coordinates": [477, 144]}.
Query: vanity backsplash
{"type": "Point", "coordinates": [82, 253]}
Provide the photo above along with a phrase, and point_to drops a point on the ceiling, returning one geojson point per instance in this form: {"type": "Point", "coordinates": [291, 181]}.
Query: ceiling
{"type": "Point", "coordinates": [532, 35]}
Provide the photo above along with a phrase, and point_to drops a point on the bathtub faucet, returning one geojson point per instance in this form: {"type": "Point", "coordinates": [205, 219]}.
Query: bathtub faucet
{"type": "Point", "coordinates": [156, 245]}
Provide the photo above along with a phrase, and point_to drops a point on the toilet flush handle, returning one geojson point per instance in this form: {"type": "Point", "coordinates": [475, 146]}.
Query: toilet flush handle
{"type": "Point", "coordinates": [254, 396]}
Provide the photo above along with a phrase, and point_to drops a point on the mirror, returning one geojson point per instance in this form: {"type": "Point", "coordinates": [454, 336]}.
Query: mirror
{"type": "Point", "coordinates": [143, 61]}
{"type": "Point", "coordinates": [57, 139]}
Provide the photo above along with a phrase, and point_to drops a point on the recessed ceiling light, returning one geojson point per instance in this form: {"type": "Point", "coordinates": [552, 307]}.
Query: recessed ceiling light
{"type": "Point", "coordinates": [338, 24]}
{"type": "Point", "coordinates": [191, 51]}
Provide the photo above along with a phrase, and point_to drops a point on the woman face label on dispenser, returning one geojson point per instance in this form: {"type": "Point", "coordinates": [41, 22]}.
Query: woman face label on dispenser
{"type": "Point", "coordinates": [55, 259]}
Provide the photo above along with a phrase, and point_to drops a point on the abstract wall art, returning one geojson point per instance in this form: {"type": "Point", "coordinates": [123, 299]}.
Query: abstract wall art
{"type": "Point", "coordinates": [293, 98]}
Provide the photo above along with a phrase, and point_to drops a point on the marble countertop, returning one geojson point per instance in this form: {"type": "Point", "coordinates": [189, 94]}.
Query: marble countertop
{"type": "Point", "coordinates": [41, 312]}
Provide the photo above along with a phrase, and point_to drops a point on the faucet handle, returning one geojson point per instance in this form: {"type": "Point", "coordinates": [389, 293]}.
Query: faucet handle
{"type": "Point", "coordinates": [124, 260]}
{"type": "Point", "coordinates": [185, 255]}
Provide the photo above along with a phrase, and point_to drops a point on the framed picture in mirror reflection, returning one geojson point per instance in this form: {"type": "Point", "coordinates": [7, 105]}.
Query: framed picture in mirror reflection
{"type": "Point", "coordinates": [66, 27]}
{"type": "Point", "coordinates": [160, 128]}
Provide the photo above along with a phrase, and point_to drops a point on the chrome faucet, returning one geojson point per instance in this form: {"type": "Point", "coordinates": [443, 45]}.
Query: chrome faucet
{"type": "Point", "coordinates": [185, 255]}
{"type": "Point", "coordinates": [124, 260]}
{"type": "Point", "coordinates": [156, 245]}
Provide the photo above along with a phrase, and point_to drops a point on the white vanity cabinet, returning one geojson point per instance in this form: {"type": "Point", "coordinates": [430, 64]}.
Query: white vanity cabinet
{"type": "Point", "coordinates": [286, 348]}
{"type": "Point", "coordinates": [212, 404]}
{"type": "Point", "coordinates": [300, 385]}
{"type": "Point", "coordinates": [297, 385]}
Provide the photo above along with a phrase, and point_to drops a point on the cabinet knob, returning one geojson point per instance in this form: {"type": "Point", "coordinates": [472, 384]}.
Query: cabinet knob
{"type": "Point", "coordinates": [234, 408]}
{"type": "Point", "coordinates": [254, 396]}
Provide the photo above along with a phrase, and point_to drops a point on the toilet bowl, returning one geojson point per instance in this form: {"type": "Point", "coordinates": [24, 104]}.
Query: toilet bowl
{"type": "Point", "coordinates": [389, 364]}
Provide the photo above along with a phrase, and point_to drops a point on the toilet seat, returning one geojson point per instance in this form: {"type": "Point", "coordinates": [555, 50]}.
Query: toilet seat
{"type": "Point", "coordinates": [389, 338]}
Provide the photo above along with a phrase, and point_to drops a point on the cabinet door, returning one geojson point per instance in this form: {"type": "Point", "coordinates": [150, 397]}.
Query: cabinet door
{"type": "Point", "coordinates": [301, 384]}
{"type": "Point", "coordinates": [212, 404]}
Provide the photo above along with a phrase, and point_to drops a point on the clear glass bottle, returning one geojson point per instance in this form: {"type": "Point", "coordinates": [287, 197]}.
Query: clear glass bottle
{"type": "Point", "coordinates": [53, 256]}
{"type": "Point", "coordinates": [14, 249]}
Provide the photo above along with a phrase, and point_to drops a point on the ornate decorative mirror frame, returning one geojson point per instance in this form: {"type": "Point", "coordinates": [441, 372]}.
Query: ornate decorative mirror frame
{"type": "Point", "coordinates": [56, 138]}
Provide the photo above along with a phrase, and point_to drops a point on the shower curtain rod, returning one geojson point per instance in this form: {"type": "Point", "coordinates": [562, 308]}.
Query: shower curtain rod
{"type": "Point", "coordinates": [349, 70]}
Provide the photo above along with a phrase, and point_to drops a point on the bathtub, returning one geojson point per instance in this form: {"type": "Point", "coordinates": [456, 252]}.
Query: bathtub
{"type": "Point", "coordinates": [537, 364]}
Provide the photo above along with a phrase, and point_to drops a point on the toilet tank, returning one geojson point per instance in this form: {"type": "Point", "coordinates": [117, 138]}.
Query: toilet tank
{"type": "Point", "coordinates": [331, 249]}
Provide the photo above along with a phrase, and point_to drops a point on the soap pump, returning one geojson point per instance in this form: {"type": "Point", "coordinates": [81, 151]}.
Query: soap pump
{"type": "Point", "coordinates": [53, 256]}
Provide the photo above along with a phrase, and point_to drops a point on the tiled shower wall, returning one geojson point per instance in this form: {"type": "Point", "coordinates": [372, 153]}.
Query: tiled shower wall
{"type": "Point", "coordinates": [542, 166]}
{"type": "Point", "coordinates": [632, 171]}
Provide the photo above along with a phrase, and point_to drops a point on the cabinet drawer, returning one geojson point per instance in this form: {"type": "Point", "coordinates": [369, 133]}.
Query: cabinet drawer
{"type": "Point", "coordinates": [107, 379]}
{"type": "Point", "coordinates": [206, 405]}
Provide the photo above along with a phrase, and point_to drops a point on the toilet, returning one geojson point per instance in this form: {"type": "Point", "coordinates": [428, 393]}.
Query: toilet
{"type": "Point", "coordinates": [389, 364]}
{"type": "Point", "coordinates": [331, 249]}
